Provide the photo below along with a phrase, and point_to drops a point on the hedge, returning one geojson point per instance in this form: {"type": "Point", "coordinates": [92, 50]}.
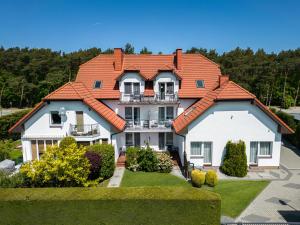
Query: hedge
{"type": "Point", "coordinates": [74, 206]}
{"type": "Point", "coordinates": [8, 121]}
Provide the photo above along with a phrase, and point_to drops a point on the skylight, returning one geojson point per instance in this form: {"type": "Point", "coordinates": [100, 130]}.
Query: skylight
{"type": "Point", "coordinates": [97, 84]}
{"type": "Point", "coordinates": [200, 83]}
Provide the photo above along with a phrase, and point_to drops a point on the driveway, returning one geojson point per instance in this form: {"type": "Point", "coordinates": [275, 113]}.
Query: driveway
{"type": "Point", "coordinates": [280, 201]}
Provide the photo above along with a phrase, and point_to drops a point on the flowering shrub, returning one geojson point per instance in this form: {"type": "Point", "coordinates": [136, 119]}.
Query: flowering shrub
{"type": "Point", "coordinates": [165, 163]}
{"type": "Point", "coordinates": [132, 154]}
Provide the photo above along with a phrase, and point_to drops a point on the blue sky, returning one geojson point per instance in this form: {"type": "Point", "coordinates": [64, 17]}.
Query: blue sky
{"type": "Point", "coordinates": [160, 25]}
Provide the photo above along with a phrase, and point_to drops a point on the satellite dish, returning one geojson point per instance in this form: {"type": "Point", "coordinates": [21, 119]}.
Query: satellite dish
{"type": "Point", "coordinates": [62, 111]}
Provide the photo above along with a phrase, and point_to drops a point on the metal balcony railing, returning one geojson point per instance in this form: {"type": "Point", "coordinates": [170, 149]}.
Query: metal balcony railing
{"type": "Point", "coordinates": [148, 124]}
{"type": "Point", "coordinates": [84, 130]}
{"type": "Point", "coordinates": [157, 98]}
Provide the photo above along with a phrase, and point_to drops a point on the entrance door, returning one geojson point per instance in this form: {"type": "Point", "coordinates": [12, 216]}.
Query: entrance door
{"type": "Point", "coordinates": [253, 152]}
{"type": "Point", "coordinates": [207, 152]}
{"type": "Point", "coordinates": [161, 141]}
{"type": "Point", "coordinates": [161, 115]}
{"type": "Point", "coordinates": [162, 91]}
{"type": "Point", "coordinates": [79, 121]}
{"type": "Point", "coordinates": [136, 116]}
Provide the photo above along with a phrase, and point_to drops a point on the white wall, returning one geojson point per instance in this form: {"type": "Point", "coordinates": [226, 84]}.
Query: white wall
{"type": "Point", "coordinates": [234, 121]}
{"type": "Point", "coordinates": [38, 126]}
{"type": "Point", "coordinates": [184, 104]}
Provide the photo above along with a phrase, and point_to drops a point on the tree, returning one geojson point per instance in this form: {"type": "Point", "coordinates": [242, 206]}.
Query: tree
{"type": "Point", "coordinates": [145, 51]}
{"type": "Point", "coordinates": [129, 49]}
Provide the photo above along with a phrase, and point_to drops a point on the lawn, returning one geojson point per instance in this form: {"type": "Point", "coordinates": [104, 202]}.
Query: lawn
{"type": "Point", "coordinates": [236, 195]}
{"type": "Point", "coordinates": [147, 179]}
{"type": "Point", "coordinates": [109, 206]}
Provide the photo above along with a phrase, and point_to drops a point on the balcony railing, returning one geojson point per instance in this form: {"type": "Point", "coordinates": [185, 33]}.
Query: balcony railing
{"type": "Point", "coordinates": [148, 124]}
{"type": "Point", "coordinates": [157, 98]}
{"type": "Point", "coordinates": [84, 130]}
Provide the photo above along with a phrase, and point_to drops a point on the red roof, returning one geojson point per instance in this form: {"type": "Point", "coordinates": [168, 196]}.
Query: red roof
{"type": "Point", "coordinates": [228, 91]}
{"type": "Point", "coordinates": [76, 91]}
{"type": "Point", "coordinates": [194, 67]}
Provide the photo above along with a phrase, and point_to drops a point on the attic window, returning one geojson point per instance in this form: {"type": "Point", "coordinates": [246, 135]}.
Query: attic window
{"type": "Point", "coordinates": [98, 84]}
{"type": "Point", "coordinates": [200, 83]}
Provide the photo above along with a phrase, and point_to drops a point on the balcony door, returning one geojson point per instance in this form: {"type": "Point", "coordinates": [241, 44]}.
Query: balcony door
{"type": "Point", "coordinates": [162, 91]}
{"type": "Point", "coordinates": [79, 121]}
{"type": "Point", "coordinates": [161, 115]}
{"type": "Point", "coordinates": [136, 115]}
{"type": "Point", "coordinates": [136, 88]}
{"type": "Point", "coordinates": [161, 141]}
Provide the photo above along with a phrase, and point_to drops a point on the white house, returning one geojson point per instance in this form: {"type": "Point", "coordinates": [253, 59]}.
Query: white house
{"type": "Point", "coordinates": [178, 102]}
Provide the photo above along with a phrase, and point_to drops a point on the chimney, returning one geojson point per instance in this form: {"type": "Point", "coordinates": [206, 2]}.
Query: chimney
{"type": "Point", "coordinates": [118, 58]}
{"type": "Point", "coordinates": [178, 59]}
{"type": "Point", "coordinates": [223, 79]}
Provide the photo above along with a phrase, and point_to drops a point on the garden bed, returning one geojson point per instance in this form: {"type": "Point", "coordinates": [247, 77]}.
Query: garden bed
{"type": "Point", "coordinates": [156, 205]}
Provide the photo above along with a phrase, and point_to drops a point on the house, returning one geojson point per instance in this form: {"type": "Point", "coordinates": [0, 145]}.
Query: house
{"type": "Point", "coordinates": [179, 102]}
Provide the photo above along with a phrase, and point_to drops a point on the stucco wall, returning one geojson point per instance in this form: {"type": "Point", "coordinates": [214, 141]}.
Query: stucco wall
{"type": "Point", "coordinates": [234, 121]}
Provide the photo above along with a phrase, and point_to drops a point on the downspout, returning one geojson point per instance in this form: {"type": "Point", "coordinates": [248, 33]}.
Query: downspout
{"type": "Point", "coordinates": [185, 166]}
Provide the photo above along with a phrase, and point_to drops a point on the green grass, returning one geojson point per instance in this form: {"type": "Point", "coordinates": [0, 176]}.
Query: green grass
{"type": "Point", "coordinates": [236, 195]}
{"type": "Point", "coordinates": [148, 179]}
{"type": "Point", "coordinates": [111, 206]}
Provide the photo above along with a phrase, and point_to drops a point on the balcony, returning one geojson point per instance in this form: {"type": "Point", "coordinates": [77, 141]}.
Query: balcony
{"type": "Point", "coordinates": [86, 130]}
{"type": "Point", "coordinates": [156, 99]}
{"type": "Point", "coordinates": [149, 126]}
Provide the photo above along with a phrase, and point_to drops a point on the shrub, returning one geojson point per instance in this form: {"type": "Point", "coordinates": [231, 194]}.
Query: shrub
{"type": "Point", "coordinates": [132, 154]}
{"type": "Point", "coordinates": [8, 121]}
{"type": "Point", "coordinates": [107, 154]}
{"type": "Point", "coordinates": [67, 141]}
{"type": "Point", "coordinates": [211, 178]}
{"type": "Point", "coordinates": [6, 149]}
{"type": "Point", "coordinates": [235, 160]}
{"type": "Point", "coordinates": [95, 162]}
{"type": "Point", "coordinates": [147, 160]}
{"type": "Point", "coordinates": [198, 178]}
{"type": "Point", "coordinates": [11, 181]}
{"type": "Point", "coordinates": [59, 167]}
{"type": "Point", "coordinates": [165, 163]}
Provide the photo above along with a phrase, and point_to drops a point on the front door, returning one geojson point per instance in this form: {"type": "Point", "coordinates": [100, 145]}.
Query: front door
{"type": "Point", "coordinates": [253, 152]}
{"type": "Point", "coordinates": [162, 91]}
{"type": "Point", "coordinates": [79, 121]}
{"type": "Point", "coordinates": [161, 141]}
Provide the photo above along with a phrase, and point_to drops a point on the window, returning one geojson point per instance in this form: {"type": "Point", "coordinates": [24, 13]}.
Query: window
{"type": "Point", "coordinates": [128, 139]}
{"type": "Point", "coordinates": [170, 88]}
{"type": "Point", "coordinates": [265, 148]}
{"type": "Point", "coordinates": [196, 149]}
{"type": "Point", "coordinates": [128, 113]}
{"type": "Point", "coordinates": [136, 88]}
{"type": "Point", "coordinates": [55, 118]}
{"type": "Point", "coordinates": [128, 88]}
{"type": "Point", "coordinates": [169, 138]}
{"type": "Point", "coordinates": [200, 83]}
{"type": "Point", "coordinates": [170, 113]}
{"type": "Point", "coordinates": [39, 147]}
{"type": "Point", "coordinates": [104, 141]}
{"type": "Point", "coordinates": [97, 84]}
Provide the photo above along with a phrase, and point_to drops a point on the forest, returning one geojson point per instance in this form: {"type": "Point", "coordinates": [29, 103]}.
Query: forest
{"type": "Point", "coordinates": [27, 75]}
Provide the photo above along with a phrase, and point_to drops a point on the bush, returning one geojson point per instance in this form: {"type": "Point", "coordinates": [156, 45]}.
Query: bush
{"type": "Point", "coordinates": [235, 160]}
{"type": "Point", "coordinates": [95, 162]}
{"type": "Point", "coordinates": [147, 160]}
{"type": "Point", "coordinates": [8, 121]}
{"type": "Point", "coordinates": [8, 150]}
{"type": "Point", "coordinates": [165, 163]}
{"type": "Point", "coordinates": [58, 167]}
{"type": "Point", "coordinates": [107, 154]}
{"type": "Point", "coordinates": [211, 178]}
{"type": "Point", "coordinates": [67, 141]}
{"type": "Point", "coordinates": [132, 154]}
{"type": "Point", "coordinates": [11, 181]}
{"type": "Point", "coordinates": [198, 178]}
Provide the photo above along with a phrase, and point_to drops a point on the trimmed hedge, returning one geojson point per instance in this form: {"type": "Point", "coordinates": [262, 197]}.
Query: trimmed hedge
{"type": "Point", "coordinates": [74, 206]}
{"type": "Point", "coordinates": [211, 178]}
{"type": "Point", "coordinates": [198, 178]}
{"type": "Point", "coordinates": [8, 121]}
{"type": "Point", "coordinates": [107, 154]}
{"type": "Point", "coordinates": [235, 160]}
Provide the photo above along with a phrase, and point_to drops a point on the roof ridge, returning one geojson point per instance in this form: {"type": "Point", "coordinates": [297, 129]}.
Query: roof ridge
{"type": "Point", "coordinates": [242, 88]}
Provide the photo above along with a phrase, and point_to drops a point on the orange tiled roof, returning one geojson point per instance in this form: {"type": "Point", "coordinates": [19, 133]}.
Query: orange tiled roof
{"type": "Point", "coordinates": [194, 67]}
{"type": "Point", "coordinates": [228, 91]}
{"type": "Point", "coordinates": [76, 91]}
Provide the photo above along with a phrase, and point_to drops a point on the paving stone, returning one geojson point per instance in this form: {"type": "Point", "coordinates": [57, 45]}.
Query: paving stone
{"type": "Point", "coordinates": [276, 200]}
{"type": "Point", "coordinates": [292, 185]}
{"type": "Point", "coordinates": [274, 174]}
{"type": "Point", "coordinates": [256, 218]}
{"type": "Point", "coordinates": [226, 219]}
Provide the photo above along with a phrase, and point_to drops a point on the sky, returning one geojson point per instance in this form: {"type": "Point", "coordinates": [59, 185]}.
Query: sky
{"type": "Point", "coordinates": [159, 25]}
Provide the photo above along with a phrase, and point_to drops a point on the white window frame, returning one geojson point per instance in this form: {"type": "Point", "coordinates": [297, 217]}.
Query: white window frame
{"type": "Point", "coordinates": [201, 148]}
{"type": "Point", "coordinates": [45, 146]}
{"type": "Point", "coordinates": [259, 153]}
{"type": "Point", "coordinates": [132, 87]}
{"type": "Point", "coordinates": [50, 120]}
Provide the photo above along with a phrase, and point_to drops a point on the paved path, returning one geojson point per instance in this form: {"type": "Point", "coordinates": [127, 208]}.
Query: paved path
{"type": "Point", "coordinates": [116, 179]}
{"type": "Point", "coordinates": [280, 200]}
{"type": "Point", "coordinates": [177, 172]}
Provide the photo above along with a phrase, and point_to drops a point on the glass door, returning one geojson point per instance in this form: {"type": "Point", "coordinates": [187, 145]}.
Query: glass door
{"type": "Point", "coordinates": [137, 139]}
{"type": "Point", "coordinates": [79, 121]}
{"type": "Point", "coordinates": [253, 152]}
{"type": "Point", "coordinates": [161, 141]}
{"type": "Point", "coordinates": [162, 91]}
{"type": "Point", "coordinates": [161, 115]}
{"type": "Point", "coordinates": [136, 115]}
{"type": "Point", "coordinates": [207, 153]}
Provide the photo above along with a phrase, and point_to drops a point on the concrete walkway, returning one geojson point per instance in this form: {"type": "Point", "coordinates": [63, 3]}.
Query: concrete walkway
{"type": "Point", "coordinates": [116, 179]}
{"type": "Point", "coordinates": [177, 172]}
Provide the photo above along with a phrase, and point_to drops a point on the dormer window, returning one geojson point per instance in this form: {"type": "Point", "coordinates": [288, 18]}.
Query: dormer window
{"type": "Point", "coordinates": [97, 84]}
{"type": "Point", "coordinates": [200, 83]}
{"type": "Point", "coordinates": [132, 88]}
